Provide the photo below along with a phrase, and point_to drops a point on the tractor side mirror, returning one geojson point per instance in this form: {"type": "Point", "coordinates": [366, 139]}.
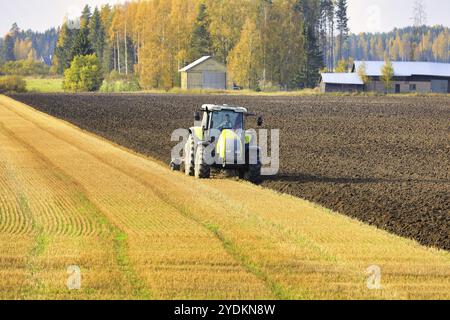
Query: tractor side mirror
{"type": "Point", "coordinates": [197, 116]}
{"type": "Point", "coordinates": [260, 121]}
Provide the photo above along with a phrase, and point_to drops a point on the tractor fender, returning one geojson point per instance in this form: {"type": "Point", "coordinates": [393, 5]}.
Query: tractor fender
{"type": "Point", "coordinates": [197, 133]}
{"type": "Point", "coordinates": [254, 148]}
{"type": "Point", "coordinates": [203, 143]}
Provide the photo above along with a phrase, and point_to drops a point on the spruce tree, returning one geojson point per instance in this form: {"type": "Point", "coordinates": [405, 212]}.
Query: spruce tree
{"type": "Point", "coordinates": [81, 45]}
{"type": "Point", "coordinates": [8, 53]}
{"type": "Point", "coordinates": [9, 43]}
{"type": "Point", "coordinates": [200, 43]}
{"type": "Point", "coordinates": [97, 35]}
{"type": "Point", "coordinates": [342, 24]}
{"type": "Point", "coordinates": [85, 17]}
{"type": "Point", "coordinates": [313, 58]}
{"type": "Point", "coordinates": [63, 51]}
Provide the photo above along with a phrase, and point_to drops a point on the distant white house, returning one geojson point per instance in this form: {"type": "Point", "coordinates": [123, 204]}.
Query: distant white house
{"type": "Point", "coordinates": [205, 73]}
{"type": "Point", "coordinates": [423, 77]}
{"type": "Point", "coordinates": [341, 82]}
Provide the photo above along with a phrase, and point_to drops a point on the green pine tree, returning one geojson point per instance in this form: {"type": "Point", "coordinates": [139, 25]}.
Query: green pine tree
{"type": "Point", "coordinates": [200, 43]}
{"type": "Point", "coordinates": [85, 17]}
{"type": "Point", "coordinates": [9, 43]}
{"type": "Point", "coordinates": [314, 58]}
{"type": "Point", "coordinates": [81, 44]}
{"type": "Point", "coordinates": [8, 49]}
{"type": "Point", "coordinates": [63, 51]}
{"type": "Point", "coordinates": [342, 25]}
{"type": "Point", "coordinates": [97, 35]}
{"type": "Point", "coordinates": [309, 74]}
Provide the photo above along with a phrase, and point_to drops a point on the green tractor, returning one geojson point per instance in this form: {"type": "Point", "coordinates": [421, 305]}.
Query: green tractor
{"type": "Point", "coordinates": [220, 142]}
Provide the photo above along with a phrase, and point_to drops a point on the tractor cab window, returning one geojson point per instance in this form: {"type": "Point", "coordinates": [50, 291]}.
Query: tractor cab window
{"type": "Point", "coordinates": [227, 120]}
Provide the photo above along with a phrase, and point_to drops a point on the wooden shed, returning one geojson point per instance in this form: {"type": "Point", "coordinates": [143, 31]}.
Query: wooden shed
{"type": "Point", "coordinates": [205, 73]}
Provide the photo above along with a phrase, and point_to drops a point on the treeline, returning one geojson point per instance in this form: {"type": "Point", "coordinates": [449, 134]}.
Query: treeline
{"type": "Point", "coordinates": [26, 67]}
{"type": "Point", "coordinates": [28, 45]}
{"type": "Point", "coordinates": [266, 44]}
{"type": "Point", "coordinates": [279, 43]}
{"type": "Point", "coordinates": [406, 44]}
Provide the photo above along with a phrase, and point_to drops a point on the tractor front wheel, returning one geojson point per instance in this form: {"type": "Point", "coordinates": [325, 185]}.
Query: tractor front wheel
{"type": "Point", "coordinates": [189, 157]}
{"type": "Point", "coordinates": [254, 173]}
{"type": "Point", "coordinates": [174, 166]}
{"type": "Point", "coordinates": [202, 170]}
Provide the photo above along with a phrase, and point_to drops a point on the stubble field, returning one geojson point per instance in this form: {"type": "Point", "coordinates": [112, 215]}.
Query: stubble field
{"type": "Point", "coordinates": [382, 160]}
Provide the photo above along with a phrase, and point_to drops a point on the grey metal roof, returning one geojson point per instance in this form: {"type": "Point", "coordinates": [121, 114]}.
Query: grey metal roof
{"type": "Point", "coordinates": [215, 107]}
{"type": "Point", "coordinates": [341, 78]}
{"type": "Point", "coordinates": [195, 63]}
{"type": "Point", "coordinates": [406, 69]}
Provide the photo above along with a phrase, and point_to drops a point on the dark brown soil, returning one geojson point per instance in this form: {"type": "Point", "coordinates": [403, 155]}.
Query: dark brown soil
{"type": "Point", "coordinates": [383, 160]}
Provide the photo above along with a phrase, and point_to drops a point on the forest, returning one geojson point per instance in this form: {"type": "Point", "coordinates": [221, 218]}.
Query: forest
{"type": "Point", "coordinates": [265, 44]}
{"type": "Point", "coordinates": [408, 44]}
{"type": "Point", "coordinates": [28, 45]}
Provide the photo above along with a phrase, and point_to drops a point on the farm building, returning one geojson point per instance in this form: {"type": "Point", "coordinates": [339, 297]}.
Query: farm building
{"type": "Point", "coordinates": [341, 82]}
{"type": "Point", "coordinates": [423, 77]}
{"type": "Point", "coordinates": [409, 77]}
{"type": "Point", "coordinates": [205, 73]}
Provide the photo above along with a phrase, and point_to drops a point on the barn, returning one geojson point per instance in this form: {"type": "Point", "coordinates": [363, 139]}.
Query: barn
{"type": "Point", "coordinates": [409, 77]}
{"type": "Point", "coordinates": [205, 73]}
{"type": "Point", "coordinates": [341, 82]}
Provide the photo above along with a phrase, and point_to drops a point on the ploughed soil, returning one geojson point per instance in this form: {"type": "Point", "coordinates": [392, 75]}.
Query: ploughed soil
{"type": "Point", "coordinates": [382, 160]}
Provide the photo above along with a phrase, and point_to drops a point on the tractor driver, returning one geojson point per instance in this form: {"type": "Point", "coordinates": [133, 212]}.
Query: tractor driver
{"type": "Point", "coordinates": [238, 125]}
{"type": "Point", "coordinates": [226, 124]}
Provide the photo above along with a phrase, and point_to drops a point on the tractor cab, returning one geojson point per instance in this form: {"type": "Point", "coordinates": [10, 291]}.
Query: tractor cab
{"type": "Point", "coordinates": [222, 117]}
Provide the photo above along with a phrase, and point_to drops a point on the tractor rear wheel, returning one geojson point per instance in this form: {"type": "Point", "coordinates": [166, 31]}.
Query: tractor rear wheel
{"type": "Point", "coordinates": [202, 170]}
{"type": "Point", "coordinates": [254, 173]}
{"type": "Point", "coordinates": [189, 157]}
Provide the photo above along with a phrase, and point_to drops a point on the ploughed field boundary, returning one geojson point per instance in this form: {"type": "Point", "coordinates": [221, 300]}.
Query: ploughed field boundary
{"type": "Point", "coordinates": [382, 160]}
{"type": "Point", "coordinates": [138, 231]}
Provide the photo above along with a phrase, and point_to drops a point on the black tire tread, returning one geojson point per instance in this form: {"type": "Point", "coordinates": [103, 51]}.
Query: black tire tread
{"type": "Point", "coordinates": [202, 170]}
{"type": "Point", "coordinates": [189, 168]}
{"type": "Point", "coordinates": [254, 173]}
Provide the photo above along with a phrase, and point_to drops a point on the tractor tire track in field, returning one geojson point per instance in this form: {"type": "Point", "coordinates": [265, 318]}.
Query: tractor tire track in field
{"type": "Point", "coordinates": [31, 282]}
{"type": "Point", "coordinates": [51, 222]}
{"type": "Point", "coordinates": [115, 234]}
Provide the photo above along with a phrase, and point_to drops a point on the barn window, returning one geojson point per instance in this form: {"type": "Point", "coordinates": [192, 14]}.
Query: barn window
{"type": "Point", "coordinates": [412, 87]}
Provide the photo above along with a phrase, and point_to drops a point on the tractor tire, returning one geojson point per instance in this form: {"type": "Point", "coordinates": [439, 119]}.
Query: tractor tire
{"type": "Point", "coordinates": [202, 170]}
{"type": "Point", "coordinates": [174, 167]}
{"type": "Point", "coordinates": [254, 173]}
{"type": "Point", "coordinates": [189, 157]}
